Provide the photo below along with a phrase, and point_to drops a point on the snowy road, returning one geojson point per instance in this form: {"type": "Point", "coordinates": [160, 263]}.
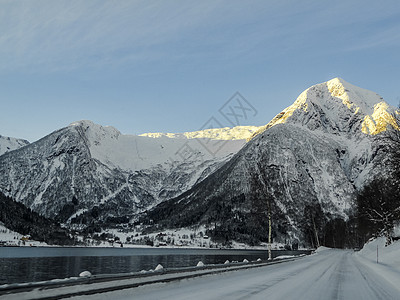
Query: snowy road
{"type": "Point", "coordinates": [330, 274]}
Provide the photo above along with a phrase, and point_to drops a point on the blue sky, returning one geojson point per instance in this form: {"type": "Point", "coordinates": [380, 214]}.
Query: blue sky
{"type": "Point", "coordinates": [151, 66]}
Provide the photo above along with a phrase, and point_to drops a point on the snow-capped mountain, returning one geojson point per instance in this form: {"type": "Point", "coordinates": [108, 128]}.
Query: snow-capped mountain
{"type": "Point", "coordinates": [308, 162]}
{"type": "Point", "coordinates": [86, 167]}
{"type": "Point", "coordinates": [8, 144]}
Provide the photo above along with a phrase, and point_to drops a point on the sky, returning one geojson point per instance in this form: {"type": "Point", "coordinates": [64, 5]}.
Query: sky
{"type": "Point", "coordinates": [171, 66]}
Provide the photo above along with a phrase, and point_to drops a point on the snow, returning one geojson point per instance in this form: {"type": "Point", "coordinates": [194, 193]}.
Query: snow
{"type": "Point", "coordinates": [321, 249]}
{"type": "Point", "coordinates": [159, 267]}
{"type": "Point", "coordinates": [85, 274]}
{"type": "Point", "coordinates": [388, 265]}
{"type": "Point", "coordinates": [200, 264]}
{"type": "Point", "coordinates": [187, 237]}
{"type": "Point", "coordinates": [356, 103]}
{"type": "Point", "coordinates": [133, 153]}
{"type": "Point", "coordinates": [12, 238]}
{"type": "Point", "coordinates": [226, 133]}
{"type": "Point", "coordinates": [8, 144]}
{"type": "Point", "coordinates": [284, 257]}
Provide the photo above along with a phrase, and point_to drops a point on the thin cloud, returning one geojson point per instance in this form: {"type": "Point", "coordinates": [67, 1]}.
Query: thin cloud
{"type": "Point", "coordinates": [65, 35]}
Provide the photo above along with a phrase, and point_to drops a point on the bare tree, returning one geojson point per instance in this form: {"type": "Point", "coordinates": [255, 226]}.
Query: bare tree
{"type": "Point", "coordinates": [379, 207]}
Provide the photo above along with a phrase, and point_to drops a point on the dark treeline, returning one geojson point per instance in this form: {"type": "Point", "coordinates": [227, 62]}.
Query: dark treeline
{"type": "Point", "coordinates": [17, 217]}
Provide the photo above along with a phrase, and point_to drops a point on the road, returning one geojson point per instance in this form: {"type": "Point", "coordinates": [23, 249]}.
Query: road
{"type": "Point", "coordinates": [330, 274]}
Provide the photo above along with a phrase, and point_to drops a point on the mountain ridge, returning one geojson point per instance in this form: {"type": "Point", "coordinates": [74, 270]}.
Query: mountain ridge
{"type": "Point", "coordinates": [8, 144]}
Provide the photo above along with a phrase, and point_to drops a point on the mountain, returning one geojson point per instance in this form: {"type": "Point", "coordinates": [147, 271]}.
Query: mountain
{"type": "Point", "coordinates": [87, 173]}
{"type": "Point", "coordinates": [8, 144]}
{"type": "Point", "coordinates": [308, 163]}
{"type": "Point", "coordinates": [305, 167]}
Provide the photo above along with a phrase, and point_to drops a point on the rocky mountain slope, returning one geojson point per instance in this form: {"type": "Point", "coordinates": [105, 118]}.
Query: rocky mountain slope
{"type": "Point", "coordinates": [8, 144]}
{"type": "Point", "coordinates": [89, 171]}
{"type": "Point", "coordinates": [308, 162]}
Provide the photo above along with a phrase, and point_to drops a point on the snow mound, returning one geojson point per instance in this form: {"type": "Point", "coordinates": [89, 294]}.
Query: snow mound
{"type": "Point", "coordinates": [85, 274]}
{"type": "Point", "coordinates": [284, 257]}
{"type": "Point", "coordinates": [200, 264]}
{"type": "Point", "coordinates": [321, 248]}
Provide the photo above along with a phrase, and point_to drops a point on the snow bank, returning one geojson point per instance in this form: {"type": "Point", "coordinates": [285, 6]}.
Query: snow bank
{"type": "Point", "coordinates": [388, 265]}
{"type": "Point", "coordinates": [386, 255]}
{"type": "Point", "coordinates": [284, 257]}
{"type": "Point", "coordinates": [321, 248]}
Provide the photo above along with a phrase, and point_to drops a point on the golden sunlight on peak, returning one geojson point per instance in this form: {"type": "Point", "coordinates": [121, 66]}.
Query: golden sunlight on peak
{"type": "Point", "coordinates": [379, 120]}
{"type": "Point", "coordinates": [337, 90]}
{"type": "Point", "coordinates": [226, 133]}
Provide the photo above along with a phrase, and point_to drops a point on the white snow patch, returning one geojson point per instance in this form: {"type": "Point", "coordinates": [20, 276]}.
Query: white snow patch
{"type": "Point", "coordinates": [85, 274]}
{"type": "Point", "coordinates": [321, 249]}
{"type": "Point", "coordinates": [200, 264]}
{"type": "Point", "coordinates": [159, 267]}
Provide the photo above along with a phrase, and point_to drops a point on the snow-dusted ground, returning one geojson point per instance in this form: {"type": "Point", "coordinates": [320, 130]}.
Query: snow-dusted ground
{"type": "Point", "coordinates": [182, 238]}
{"type": "Point", "coordinates": [12, 238]}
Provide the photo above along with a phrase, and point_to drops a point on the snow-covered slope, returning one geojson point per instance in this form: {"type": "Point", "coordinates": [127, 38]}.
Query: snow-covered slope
{"type": "Point", "coordinates": [337, 107]}
{"type": "Point", "coordinates": [226, 133]}
{"type": "Point", "coordinates": [149, 150]}
{"type": "Point", "coordinates": [8, 144]}
{"type": "Point", "coordinates": [309, 161]}
{"type": "Point", "coordinates": [86, 166]}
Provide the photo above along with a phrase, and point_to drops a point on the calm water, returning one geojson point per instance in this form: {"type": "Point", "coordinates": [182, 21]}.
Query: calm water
{"type": "Point", "coordinates": [25, 264]}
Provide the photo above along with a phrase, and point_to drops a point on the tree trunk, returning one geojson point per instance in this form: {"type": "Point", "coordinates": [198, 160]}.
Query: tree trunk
{"type": "Point", "coordinates": [388, 235]}
{"type": "Point", "coordinates": [316, 233]}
